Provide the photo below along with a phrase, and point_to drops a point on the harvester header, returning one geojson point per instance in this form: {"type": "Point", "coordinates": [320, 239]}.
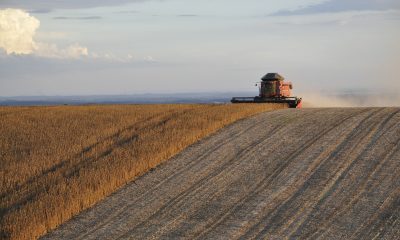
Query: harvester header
{"type": "Point", "coordinates": [272, 89]}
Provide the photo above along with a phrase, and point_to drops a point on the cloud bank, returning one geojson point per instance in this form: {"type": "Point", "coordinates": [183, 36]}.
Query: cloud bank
{"type": "Point", "coordinates": [47, 5]}
{"type": "Point", "coordinates": [17, 32]}
{"type": "Point", "coordinates": [343, 6]}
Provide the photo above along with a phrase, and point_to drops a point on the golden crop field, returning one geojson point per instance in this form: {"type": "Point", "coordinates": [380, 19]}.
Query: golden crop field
{"type": "Point", "coordinates": [58, 161]}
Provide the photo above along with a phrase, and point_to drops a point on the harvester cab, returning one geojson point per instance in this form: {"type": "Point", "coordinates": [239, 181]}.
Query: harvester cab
{"type": "Point", "coordinates": [272, 89]}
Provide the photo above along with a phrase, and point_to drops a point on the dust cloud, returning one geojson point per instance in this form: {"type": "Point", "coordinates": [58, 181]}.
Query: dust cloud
{"type": "Point", "coordinates": [311, 100]}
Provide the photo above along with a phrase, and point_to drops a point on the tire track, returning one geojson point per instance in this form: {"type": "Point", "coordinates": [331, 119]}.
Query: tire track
{"type": "Point", "coordinates": [388, 217]}
{"type": "Point", "coordinates": [220, 144]}
{"type": "Point", "coordinates": [227, 166]}
{"type": "Point", "coordinates": [273, 217]}
{"type": "Point", "coordinates": [378, 133]}
{"type": "Point", "coordinates": [268, 179]}
{"type": "Point", "coordinates": [393, 198]}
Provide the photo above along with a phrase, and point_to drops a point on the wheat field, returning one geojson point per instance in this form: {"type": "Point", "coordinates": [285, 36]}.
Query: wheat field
{"type": "Point", "coordinates": [58, 161]}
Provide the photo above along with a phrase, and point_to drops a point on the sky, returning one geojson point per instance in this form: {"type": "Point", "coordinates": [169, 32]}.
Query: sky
{"type": "Point", "coordinates": [71, 47]}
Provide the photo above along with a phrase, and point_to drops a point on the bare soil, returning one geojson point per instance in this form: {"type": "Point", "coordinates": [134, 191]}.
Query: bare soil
{"type": "Point", "coordinates": [300, 174]}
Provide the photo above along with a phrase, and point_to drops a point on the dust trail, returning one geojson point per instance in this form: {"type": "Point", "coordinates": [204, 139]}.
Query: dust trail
{"type": "Point", "coordinates": [351, 100]}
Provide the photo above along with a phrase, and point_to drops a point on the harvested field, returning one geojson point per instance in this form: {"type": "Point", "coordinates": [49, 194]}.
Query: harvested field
{"type": "Point", "coordinates": [308, 174]}
{"type": "Point", "coordinates": [57, 161]}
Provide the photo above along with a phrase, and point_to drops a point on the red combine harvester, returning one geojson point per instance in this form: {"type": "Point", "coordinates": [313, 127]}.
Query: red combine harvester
{"type": "Point", "coordinates": [272, 90]}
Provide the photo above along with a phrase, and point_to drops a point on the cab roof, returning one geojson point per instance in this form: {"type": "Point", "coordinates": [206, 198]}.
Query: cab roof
{"type": "Point", "coordinates": [272, 77]}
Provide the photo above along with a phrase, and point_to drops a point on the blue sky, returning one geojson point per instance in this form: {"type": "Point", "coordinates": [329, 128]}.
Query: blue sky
{"type": "Point", "coordinates": [166, 46]}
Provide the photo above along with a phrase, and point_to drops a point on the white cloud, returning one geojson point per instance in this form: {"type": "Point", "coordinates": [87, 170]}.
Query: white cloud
{"type": "Point", "coordinates": [17, 32]}
{"type": "Point", "coordinates": [17, 29]}
{"type": "Point", "coordinates": [149, 59]}
{"type": "Point", "coordinates": [52, 51]}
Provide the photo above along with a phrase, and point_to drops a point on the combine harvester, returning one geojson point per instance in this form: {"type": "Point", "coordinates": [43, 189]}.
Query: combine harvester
{"type": "Point", "coordinates": [272, 90]}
